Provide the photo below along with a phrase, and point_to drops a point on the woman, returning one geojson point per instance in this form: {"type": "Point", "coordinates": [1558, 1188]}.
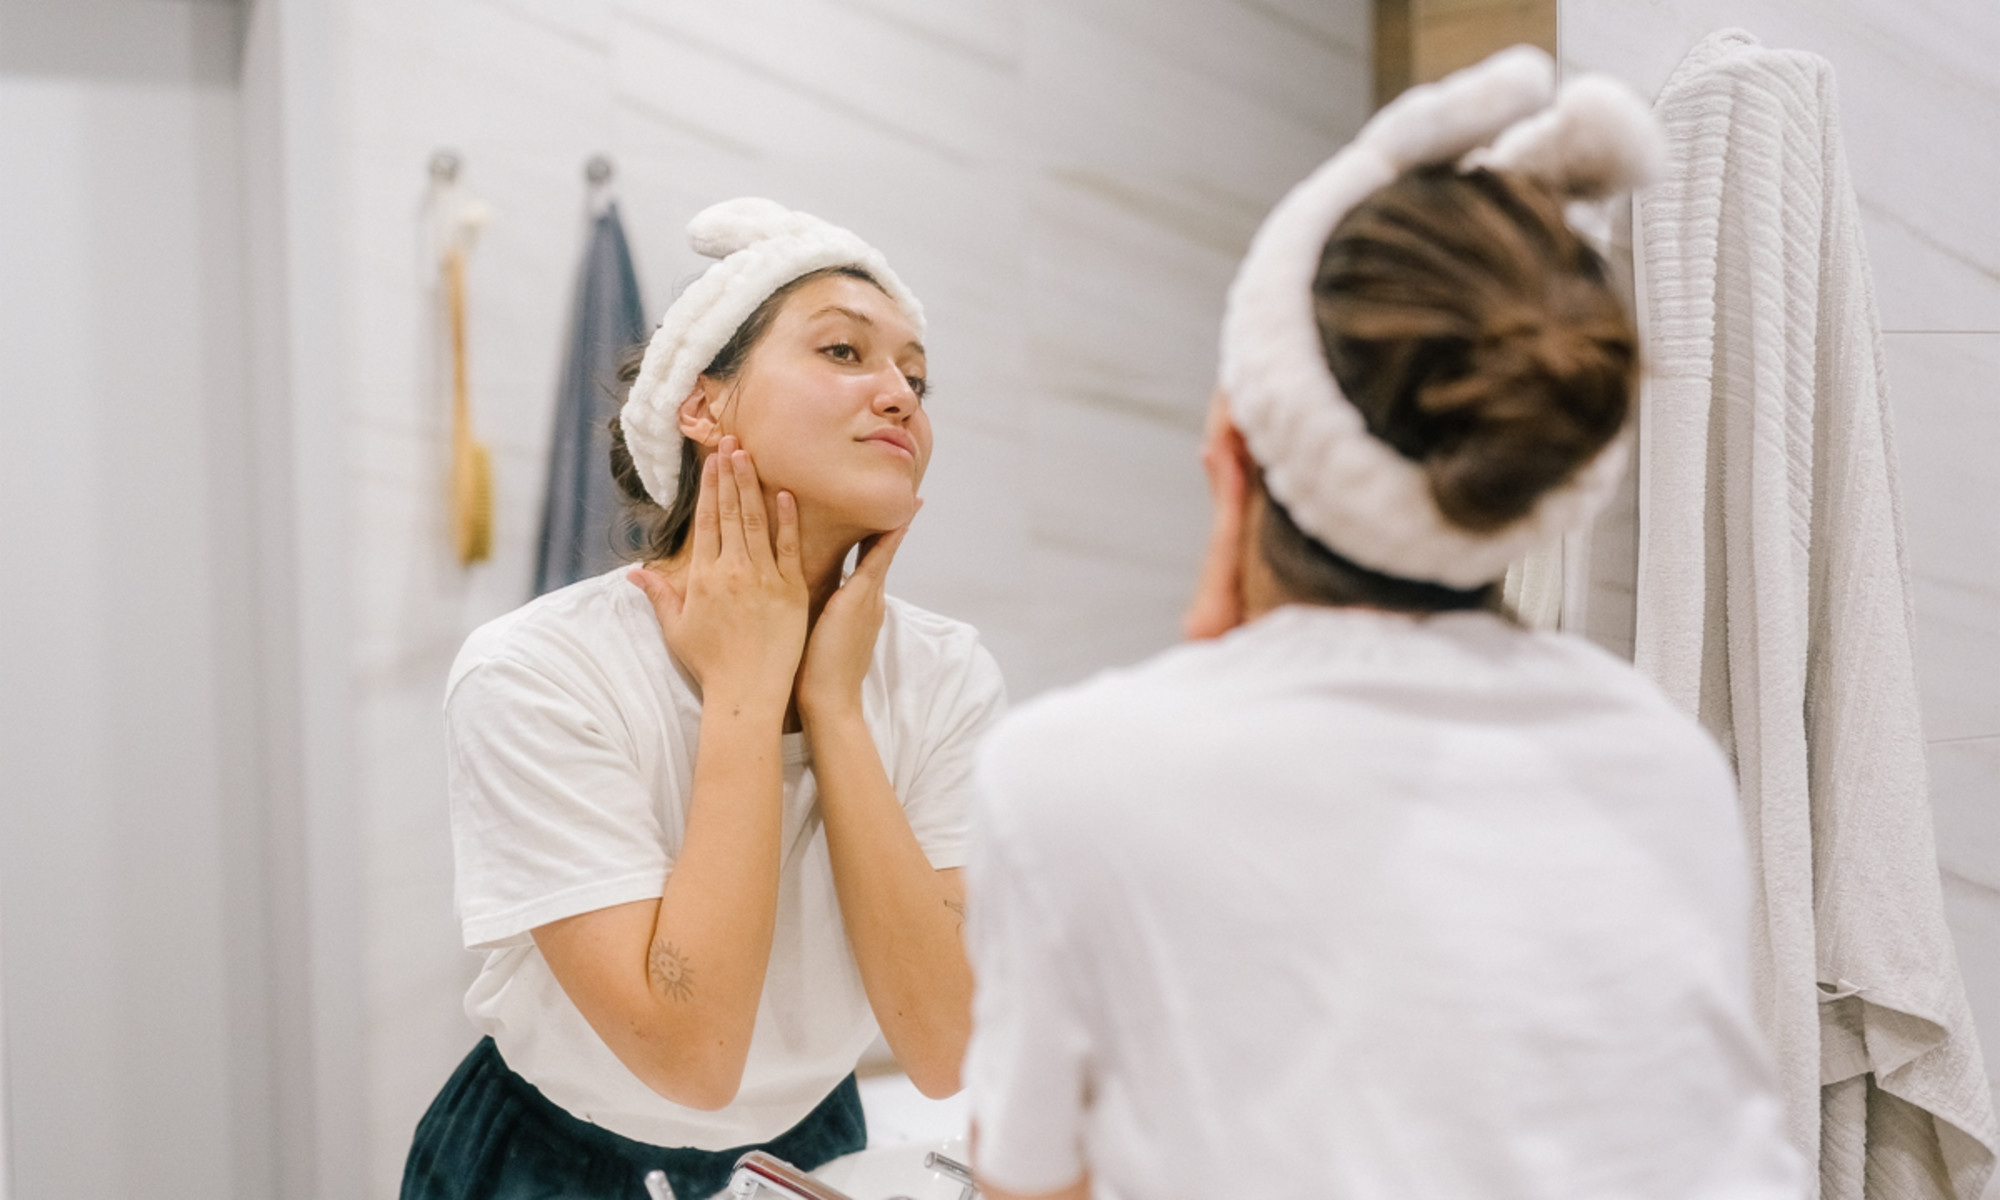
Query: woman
{"type": "Point", "coordinates": [1373, 892]}
{"type": "Point", "coordinates": [705, 866]}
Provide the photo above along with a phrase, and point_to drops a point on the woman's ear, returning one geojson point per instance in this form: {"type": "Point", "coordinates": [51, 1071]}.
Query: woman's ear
{"type": "Point", "coordinates": [699, 419]}
{"type": "Point", "coordinates": [1218, 596]}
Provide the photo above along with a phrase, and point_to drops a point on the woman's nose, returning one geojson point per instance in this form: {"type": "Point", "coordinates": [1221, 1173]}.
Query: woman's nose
{"type": "Point", "coordinates": [895, 397]}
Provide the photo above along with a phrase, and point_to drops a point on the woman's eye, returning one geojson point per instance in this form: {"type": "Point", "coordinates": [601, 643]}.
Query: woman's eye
{"type": "Point", "coordinates": [918, 384]}
{"type": "Point", "coordinates": [842, 352]}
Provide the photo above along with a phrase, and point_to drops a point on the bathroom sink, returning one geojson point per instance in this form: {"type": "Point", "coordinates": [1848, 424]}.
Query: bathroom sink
{"type": "Point", "coordinates": [888, 1172]}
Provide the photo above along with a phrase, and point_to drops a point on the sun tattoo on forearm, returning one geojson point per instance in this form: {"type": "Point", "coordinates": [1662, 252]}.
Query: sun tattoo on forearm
{"type": "Point", "coordinates": [670, 971]}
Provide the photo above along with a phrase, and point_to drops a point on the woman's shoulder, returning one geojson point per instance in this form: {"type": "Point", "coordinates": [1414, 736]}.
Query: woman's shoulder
{"type": "Point", "coordinates": [917, 639]}
{"type": "Point", "coordinates": [1567, 681]}
{"type": "Point", "coordinates": [921, 625]}
{"type": "Point", "coordinates": [931, 666]}
{"type": "Point", "coordinates": [1614, 680]}
{"type": "Point", "coordinates": [1453, 667]}
{"type": "Point", "coordinates": [585, 632]}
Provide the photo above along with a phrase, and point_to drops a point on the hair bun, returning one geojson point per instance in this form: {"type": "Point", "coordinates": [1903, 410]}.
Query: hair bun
{"type": "Point", "coordinates": [1540, 395]}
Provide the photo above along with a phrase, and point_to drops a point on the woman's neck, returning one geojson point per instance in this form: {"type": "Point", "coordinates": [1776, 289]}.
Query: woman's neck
{"type": "Point", "coordinates": [823, 553]}
{"type": "Point", "coordinates": [822, 556]}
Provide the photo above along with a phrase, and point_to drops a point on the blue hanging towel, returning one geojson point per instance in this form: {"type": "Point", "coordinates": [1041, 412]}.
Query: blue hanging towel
{"type": "Point", "coordinates": [585, 530]}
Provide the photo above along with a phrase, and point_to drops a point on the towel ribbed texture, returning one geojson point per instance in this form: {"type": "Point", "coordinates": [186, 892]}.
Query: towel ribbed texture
{"type": "Point", "coordinates": [1773, 602]}
{"type": "Point", "coordinates": [585, 530]}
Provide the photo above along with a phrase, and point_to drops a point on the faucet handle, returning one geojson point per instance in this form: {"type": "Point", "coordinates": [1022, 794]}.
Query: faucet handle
{"type": "Point", "coordinates": [957, 1170]}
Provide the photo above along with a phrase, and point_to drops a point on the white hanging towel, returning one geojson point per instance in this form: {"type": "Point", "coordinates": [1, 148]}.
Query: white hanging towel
{"type": "Point", "coordinates": [1773, 603]}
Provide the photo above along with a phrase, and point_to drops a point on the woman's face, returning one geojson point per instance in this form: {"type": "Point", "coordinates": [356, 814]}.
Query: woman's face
{"type": "Point", "coordinates": [830, 405]}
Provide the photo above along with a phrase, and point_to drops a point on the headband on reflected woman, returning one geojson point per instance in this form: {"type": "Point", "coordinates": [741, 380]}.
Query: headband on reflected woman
{"type": "Point", "coordinates": [761, 246]}
{"type": "Point", "coordinates": [1350, 490]}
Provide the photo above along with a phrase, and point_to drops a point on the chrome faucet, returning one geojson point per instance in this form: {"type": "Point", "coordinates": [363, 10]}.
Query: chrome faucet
{"type": "Point", "coordinates": [958, 1171]}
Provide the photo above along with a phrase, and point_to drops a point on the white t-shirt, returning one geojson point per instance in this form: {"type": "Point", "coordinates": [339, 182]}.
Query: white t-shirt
{"type": "Point", "coordinates": [1353, 904]}
{"type": "Point", "coordinates": [572, 736]}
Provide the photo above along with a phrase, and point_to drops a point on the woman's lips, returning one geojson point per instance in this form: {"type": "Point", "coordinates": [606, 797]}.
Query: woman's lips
{"type": "Point", "coordinates": [895, 439]}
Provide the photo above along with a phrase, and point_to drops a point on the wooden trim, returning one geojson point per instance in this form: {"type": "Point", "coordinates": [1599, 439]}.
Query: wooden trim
{"type": "Point", "coordinates": [1394, 51]}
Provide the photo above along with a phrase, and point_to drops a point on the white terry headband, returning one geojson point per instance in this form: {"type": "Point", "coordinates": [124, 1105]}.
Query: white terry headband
{"type": "Point", "coordinates": [1341, 484]}
{"type": "Point", "coordinates": [762, 246]}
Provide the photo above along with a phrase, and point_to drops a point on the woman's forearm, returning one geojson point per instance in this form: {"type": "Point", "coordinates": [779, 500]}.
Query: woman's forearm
{"type": "Point", "coordinates": [672, 986]}
{"type": "Point", "coordinates": [711, 944]}
{"type": "Point", "coordinates": [903, 917]}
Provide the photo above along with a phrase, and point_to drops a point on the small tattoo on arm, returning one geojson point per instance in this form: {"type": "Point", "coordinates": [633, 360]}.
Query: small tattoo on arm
{"type": "Point", "coordinates": [669, 970]}
{"type": "Point", "coordinates": [957, 906]}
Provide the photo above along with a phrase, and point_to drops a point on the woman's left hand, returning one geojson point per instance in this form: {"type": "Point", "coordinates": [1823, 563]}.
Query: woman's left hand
{"type": "Point", "coordinates": [842, 641]}
{"type": "Point", "coordinates": [1218, 597]}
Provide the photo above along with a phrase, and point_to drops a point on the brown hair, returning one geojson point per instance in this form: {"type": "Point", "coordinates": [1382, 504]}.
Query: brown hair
{"type": "Point", "coordinates": [1479, 337]}
{"type": "Point", "coordinates": [662, 531]}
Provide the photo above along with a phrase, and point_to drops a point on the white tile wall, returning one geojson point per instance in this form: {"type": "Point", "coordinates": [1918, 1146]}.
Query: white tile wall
{"type": "Point", "coordinates": [1967, 771]}
{"type": "Point", "coordinates": [1919, 102]}
{"type": "Point", "coordinates": [1947, 408]}
{"type": "Point", "coordinates": [1066, 184]}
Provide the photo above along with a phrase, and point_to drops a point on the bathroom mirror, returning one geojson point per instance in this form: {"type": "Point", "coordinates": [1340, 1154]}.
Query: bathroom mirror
{"type": "Point", "coordinates": [226, 812]}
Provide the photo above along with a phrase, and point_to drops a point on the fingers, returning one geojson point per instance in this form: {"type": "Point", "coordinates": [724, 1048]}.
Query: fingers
{"type": "Point", "coordinates": [1222, 462]}
{"type": "Point", "coordinates": [787, 541]}
{"type": "Point", "coordinates": [707, 522]}
{"type": "Point", "coordinates": [1223, 453]}
{"type": "Point", "coordinates": [1218, 597]}
{"type": "Point", "coordinates": [730, 498]}
{"type": "Point", "coordinates": [876, 554]}
{"type": "Point", "coordinates": [661, 591]}
{"type": "Point", "coordinates": [729, 514]}
{"type": "Point", "coordinates": [1217, 607]}
{"type": "Point", "coordinates": [756, 526]}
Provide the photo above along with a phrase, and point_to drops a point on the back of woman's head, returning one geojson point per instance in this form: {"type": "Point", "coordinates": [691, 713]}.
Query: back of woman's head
{"type": "Point", "coordinates": [1478, 336]}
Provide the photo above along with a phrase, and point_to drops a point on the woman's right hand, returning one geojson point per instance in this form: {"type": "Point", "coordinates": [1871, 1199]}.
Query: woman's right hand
{"type": "Point", "coordinates": [737, 618]}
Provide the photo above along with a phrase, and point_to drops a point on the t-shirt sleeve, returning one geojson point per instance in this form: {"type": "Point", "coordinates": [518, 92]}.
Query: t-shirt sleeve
{"type": "Point", "coordinates": [549, 815]}
{"type": "Point", "coordinates": [1027, 1066]}
{"type": "Point", "coordinates": [969, 697]}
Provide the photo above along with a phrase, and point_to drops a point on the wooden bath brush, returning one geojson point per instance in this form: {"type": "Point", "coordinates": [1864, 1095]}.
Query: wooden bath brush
{"type": "Point", "coordinates": [471, 464]}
